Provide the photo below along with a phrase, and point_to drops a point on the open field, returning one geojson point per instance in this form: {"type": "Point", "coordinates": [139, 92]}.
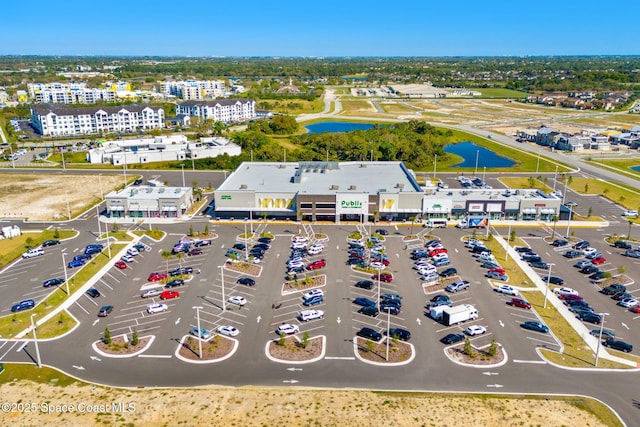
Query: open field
{"type": "Point", "coordinates": [45, 197]}
{"type": "Point", "coordinates": [276, 406]}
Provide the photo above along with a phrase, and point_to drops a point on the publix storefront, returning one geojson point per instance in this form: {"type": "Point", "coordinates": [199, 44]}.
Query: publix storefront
{"type": "Point", "coordinates": [353, 207]}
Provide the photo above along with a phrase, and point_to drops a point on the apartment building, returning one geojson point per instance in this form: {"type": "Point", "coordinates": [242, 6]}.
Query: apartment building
{"type": "Point", "coordinates": [193, 89]}
{"type": "Point", "coordinates": [220, 110]}
{"type": "Point", "coordinates": [72, 93]}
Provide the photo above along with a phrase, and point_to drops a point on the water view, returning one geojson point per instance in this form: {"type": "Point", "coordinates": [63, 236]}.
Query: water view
{"type": "Point", "coordinates": [635, 168]}
{"type": "Point", "coordinates": [323, 127]}
{"type": "Point", "coordinates": [485, 157]}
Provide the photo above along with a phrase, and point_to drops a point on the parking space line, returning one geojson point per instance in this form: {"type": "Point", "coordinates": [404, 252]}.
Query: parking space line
{"type": "Point", "coordinates": [10, 348]}
{"type": "Point", "coordinates": [542, 341]}
{"type": "Point", "coordinates": [80, 305]}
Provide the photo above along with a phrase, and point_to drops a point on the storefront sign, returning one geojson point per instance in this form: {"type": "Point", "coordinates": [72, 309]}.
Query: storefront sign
{"type": "Point", "coordinates": [225, 197]}
{"type": "Point", "coordinates": [351, 204]}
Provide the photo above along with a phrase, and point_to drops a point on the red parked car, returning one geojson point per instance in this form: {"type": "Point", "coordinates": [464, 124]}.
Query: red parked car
{"type": "Point", "coordinates": [437, 251]}
{"type": "Point", "coordinates": [194, 251]}
{"type": "Point", "coordinates": [169, 294]}
{"type": "Point", "coordinates": [156, 277]}
{"type": "Point", "coordinates": [384, 277]}
{"type": "Point", "coordinates": [570, 297]}
{"type": "Point", "coordinates": [599, 260]}
{"type": "Point", "coordinates": [121, 265]}
{"type": "Point", "coordinates": [635, 309]}
{"type": "Point", "coordinates": [519, 302]}
{"type": "Point", "coordinates": [317, 264]}
{"type": "Point", "coordinates": [499, 270]}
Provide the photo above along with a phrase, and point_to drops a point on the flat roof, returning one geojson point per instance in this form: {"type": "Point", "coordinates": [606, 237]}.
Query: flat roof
{"type": "Point", "coordinates": [145, 192]}
{"type": "Point", "coordinates": [322, 178]}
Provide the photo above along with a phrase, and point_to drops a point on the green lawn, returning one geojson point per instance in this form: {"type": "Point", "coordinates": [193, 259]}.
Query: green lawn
{"type": "Point", "coordinates": [155, 234]}
{"type": "Point", "coordinates": [618, 193]}
{"type": "Point", "coordinates": [500, 93]}
{"type": "Point", "coordinates": [520, 182]}
{"type": "Point", "coordinates": [11, 249]}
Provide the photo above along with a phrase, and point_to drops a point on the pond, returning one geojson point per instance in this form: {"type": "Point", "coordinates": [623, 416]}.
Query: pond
{"type": "Point", "coordinates": [470, 151]}
{"type": "Point", "coordinates": [635, 168]}
{"type": "Point", "coordinates": [323, 127]}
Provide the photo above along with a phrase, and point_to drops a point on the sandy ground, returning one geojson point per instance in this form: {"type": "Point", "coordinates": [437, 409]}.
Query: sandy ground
{"type": "Point", "coordinates": [44, 197]}
{"type": "Point", "coordinates": [276, 407]}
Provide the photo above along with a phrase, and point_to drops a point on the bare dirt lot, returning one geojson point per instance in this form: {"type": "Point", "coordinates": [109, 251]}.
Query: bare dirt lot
{"type": "Point", "coordinates": [44, 197]}
{"type": "Point", "coordinates": [252, 406]}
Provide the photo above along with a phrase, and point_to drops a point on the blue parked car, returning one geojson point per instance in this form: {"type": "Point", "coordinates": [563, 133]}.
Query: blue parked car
{"type": "Point", "coordinates": [75, 263]}
{"type": "Point", "coordinates": [27, 304]}
{"type": "Point", "coordinates": [365, 302]}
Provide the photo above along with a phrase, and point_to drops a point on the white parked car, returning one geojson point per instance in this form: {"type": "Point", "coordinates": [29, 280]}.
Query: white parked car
{"type": "Point", "coordinates": [231, 331]}
{"type": "Point", "coordinates": [507, 290]}
{"type": "Point", "coordinates": [33, 253]}
{"type": "Point", "coordinates": [565, 291]}
{"type": "Point", "coordinates": [377, 265]}
{"type": "Point", "coordinates": [313, 293]}
{"type": "Point", "coordinates": [298, 245]}
{"type": "Point", "coordinates": [133, 252]}
{"type": "Point", "coordinates": [295, 264]}
{"type": "Point", "coordinates": [316, 246]}
{"type": "Point", "coordinates": [157, 308]}
{"type": "Point", "coordinates": [300, 239]}
{"type": "Point", "coordinates": [630, 213]}
{"type": "Point", "coordinates": [238, 300]}
{"type": "Point", "coordinates": [306, 315]}
{"type": "Point", "coordinates": [628, 302]}
{"type": "Point", "coordinates": [314, 251]}
{"type": "Point", "coordinates": [287, 329]}
{"type": "Point", "coordinates": [475, 330]}
{"type": "Point", "coordinates": [589, 251]}
{"type": "Point", "coordinates": [126, 258]}
{"type": "Point", "coordinates": [151, 293]}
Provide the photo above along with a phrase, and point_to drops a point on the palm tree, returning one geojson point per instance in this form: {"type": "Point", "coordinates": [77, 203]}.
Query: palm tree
{"type": "Point", "coordinates": [555, 221]}
{"type": "Point", "coordinates": [166, 255]}
{"type": "Point", "coordinates": [629, 233]}
{"type": "Point", "coordinates": [179, 255]}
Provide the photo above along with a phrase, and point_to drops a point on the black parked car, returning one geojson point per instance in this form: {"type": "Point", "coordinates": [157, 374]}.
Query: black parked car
{"type": "Point", "coordinates": [448, 272]}
{"type": "Point", "coordinates": [174, 283]}
{"type": "Point", "coordinates": [391, 308]}
{"type": "Point", "coordinates": [240, 246]}
{"type": "Point", "coordinates": [50, 243]}
{"type": "Point", "coordinates": [587, 316]}
{"type": "Point", "coordinates": [93, 292]}
{"type": "Point", "coordinates": [614, 289]}
{"type": "Point", "coordinates": [597, 275]}
{"type": "Point", "coordinates": [369, 311]}
{"type": "Point", "coordinates": [621, 244]}
{"type": "Point", "coordinates": [618, 345]}
{"type": "Point", "coordinates": [555, 280]}
{"type": "Point", "coordinates": [369, 333]}
{"type": "Point", "coordinates": [401, 334]}
{"type": "Point", "coordinates": [531, 257]}
{"type": "Point", "coordinates": [590, 269]}
{"type": "Point", "coordinates": [180, 271]}
{"type": "Point", "coordinates": [452, 339]}
{"type": "Point", "coordinates": [246, 281]}
{"type": "Point", "coordinates": [266, 240]}
{"type": "Point", "coordinates": [364, 284]}
{"type": "Point", "coordinates": [572, 254]}
{"type": "Point", "coordinates": [558, 243]}
{"type": "Point", "coordinates": [523, 249]}
{"type": "Point", "coordinates": [581, 245]}
{"type": "Point", "coordinates": [621, 295]}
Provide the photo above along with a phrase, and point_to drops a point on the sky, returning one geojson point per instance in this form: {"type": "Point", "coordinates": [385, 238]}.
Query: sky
{"type": "Point", "coordinates": [324, 28]}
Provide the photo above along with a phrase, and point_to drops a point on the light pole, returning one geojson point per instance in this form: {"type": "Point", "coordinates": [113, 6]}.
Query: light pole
{"type": "Point", "coordinates": [246, 245]}
{"type": "Point", "coordinates": [600, 338]}
{"type": "Point", "coordinates": [108, 243]}
{"type": "Point", "coordinates": [124, 165]}
{"type": "Point", "coordinates": [546, 292]}
{"type": "Point", "coordinates": [98, 218]}
{"type": "Point", "coordinates": [477, 155]}
{"type": "Point", "coordinates": [484, 172]}
{"type": "Point", "coordinates": [378, 300]}
{"type": "Point", "coordinates": [64, 266]}
{"type": "Point", "coordinates": [35, 341]}
{"type": "Point", "coordinates": [221, 267]}
{"type": "Point", "coordinates": [506, 252]}
{"type": "Point", "coordinates": [555, 179]}
{"type": "Point", "coordinates": [569, 220]}
{"type": "Point", "coordinates": [183, 182]}
{"type": "Point", "coordinates": [251, 221]}
{"type": "Point", "coordinates": [388, 327]}
{"type": "Point", "coordinates": [435, 162]}
{"type": "Point", "coordinates": [62, 153]}
{"type": "Point", "coordinates": [193, 164]}
{"type": "Point", "coordinates": [197, 308]}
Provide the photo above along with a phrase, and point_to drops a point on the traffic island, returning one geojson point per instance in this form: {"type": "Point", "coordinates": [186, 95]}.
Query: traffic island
{"type": "Point", "coordinates": [244, 268]}
{"type": "Point", "coordinates": [215, 349]}
{"type": "Point", "coordinates": [307, 282]}
{"type": "Point", "coordinates": [375, 352]}
{"type": "Point", "coordinates": [121, 346]}
{"type": "Point", "coordinates": [293, 350]}
{"type": "Point", "coordinates": [480, 357]}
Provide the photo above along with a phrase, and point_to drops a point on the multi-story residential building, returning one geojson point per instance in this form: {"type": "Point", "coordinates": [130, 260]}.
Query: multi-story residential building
{"type": "Point", "coordinates": [193, 89]}
{"type": "Point", "coordinates": [72, 93]}
{"type": "Point", "coordinates": [59, 120]}
{"type": "Point", "coordinates": [221, 110]}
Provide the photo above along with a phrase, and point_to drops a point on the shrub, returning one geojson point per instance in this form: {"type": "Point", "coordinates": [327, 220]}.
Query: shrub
{"type": "Point", "coordinates": [493, 348]}
{"type": "Point", "coordinates": [107, 336]}
{"type": "Point", "coordinates": [468, 349]}
{"type": "Point", "coordinates": [134, 337]}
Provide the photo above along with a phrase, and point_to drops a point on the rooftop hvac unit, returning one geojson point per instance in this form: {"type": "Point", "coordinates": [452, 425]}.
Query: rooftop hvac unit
{"type": "Point", "coordinates": [323, 171]}
{"type": "Point", "coordinates": [352, 187]}
{"type": "Point", "coordinates": [282, 166]}
{"type": "Point", "coordinates": [363, 165]}
{"type": "Point", "coordinates": [243, 186]}
{"type": "Point", "coordinates": [335, 187]}
{"type": "Point", "coordinates": [161, 190]}
{"type": "Point", "coordinates": [399, 185]}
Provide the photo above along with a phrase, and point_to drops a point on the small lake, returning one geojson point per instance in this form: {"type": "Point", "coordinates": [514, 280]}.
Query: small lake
{"type": "Point", "coordinates": [324, 127]}
{"type": "Point", "coordinates": [635, 168]}
{"type": "Point", "coordinates": [486, 158]}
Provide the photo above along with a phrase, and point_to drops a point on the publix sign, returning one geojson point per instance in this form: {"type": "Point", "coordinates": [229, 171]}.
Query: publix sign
{"type": "Point", "coordinates": [351, 204]}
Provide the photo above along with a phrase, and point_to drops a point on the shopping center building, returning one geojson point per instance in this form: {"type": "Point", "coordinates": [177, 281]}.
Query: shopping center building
{"type": "Point", "coordinates": [364, 191]}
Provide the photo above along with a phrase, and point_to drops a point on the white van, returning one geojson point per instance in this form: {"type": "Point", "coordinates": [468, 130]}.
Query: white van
{"type": "Point", "coordinates": [436, 223]}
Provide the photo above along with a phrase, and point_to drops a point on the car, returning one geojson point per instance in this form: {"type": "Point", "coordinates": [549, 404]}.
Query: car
{"type": "Point", "coordinates": [201, 333]}
{"type": "Point", "coordinates": [195, 251]}
{"type": "Point", "coordinates": [523, 249]}
{"type": "Point", "coordinates": [438, 251]}
{"type": "Point", "coordinates": [507, 290]}
{"type": "Point", "coordinates": [156, 277]}
{"type": "Point", "coordinates": [296, 269]}
{"type": "Point", "coordinates": [364, 284]}
{"type": "Point", "coordinates": [535, 326]}
{"type": "Point", "coordinates": [150, 293]}
{"type": "Point", "coordinates": [369, 333]}
{"type": "Point", "coordinates": [456, 286]}
{"type": "Point", "coordinates": [583, 263]}
{"type": "Point", "coordinates": [565, 291]}
{"type": "Point", "coordinates": [632, 253]}
{"type": "Point", "coordinates": [201, 243]}
{"type": "Point", "coordinates": [307, 315]}
{"type": "Point", "coordinates": [554, 280]}
{"type": "Point", "coordinates": [590, 269]}
{"type": "Point", "coordinates": [91, 250]}
{"type": "Point", "coordinates": [53, 282]}
{"type": "Point", "coordinates": [317, 264]}
{"type": "Point", "coordinates": [237, 300]}
{"type": "Point", "coordinates": [558, 243]}
{"type": "Point", "coordinates": [475, 330]}
{"type": "Point", "coordinates": [105, 310]}
{"type": "Point", "coordinates": [228, 330]}
{"type": "Point", "coordinates": [497, 276]}
{"type": "Point", "coordinates": [169, 294]}
{"type": "Point", "coordinates": [384, 277]}
{"type": "Point", "coordinates": [317, 299]}
{"type": "Point", "coordinates": [95, 246]}
{"type": "Point", "coordinates": [391, 301]}
{"type": "Point", "coordinates": [157, 308]}
{"type": "Point", "coordinates": [599, 260]}
{"type": "Point", "coordinates": [93, 293]}
{"type": "Point", "coordinates": [628, 302]}
{"type": "Point", "coordinates": [398, 333]}
{"type": "Point", "coordinates": [75, 263]}
{"type": "Point", "coordinates": [597, 275]}
{"type": "Point", "coordinates": [180, 271]}
{"type": "Point", "coordinates": [570, 297]}
{"type": "Point", "coordinates": [126, 258]}
{"type": "Point", "coordinates": [439, 298]}
{"type": "Point", "coordinates": [621, 244]}
{"type": "Point", "coordinates": [369, 311]}
{"type": "Point", "coordinates": [594, 255]}
{"type": "Point", "coordinates": [120, 264]}
{"type": "Point", "coordinates": [531, 257]}
{"type": "Point", "coordinates": [377, 265]}
{"type": "Point", "coordinates": [391, 296]}
{"type": "Point", "coordinates": [540, 264]}
{"type": "Point", "coordinates": [287, 329]}
{"type": "Point", "coordinates": [266, 240]}
{"type": "Point", "coordinates": [239, 246]}
{"type": "Point", "coordinates": [262, 246]}
{"type": "Point", "coordinates": [300, 238]}
{"type": "Point", "coordinates": [246, 281]}
{"type": "Point", "coordinates": [366, 302]}
{"type": "Point", "coordinates": [313, 293]}
{"type": "Point", "coordinates": [618, 345]}
{"type": "Point", "coordinates": [295, 263]}
{"type": "Point", "coordinates": [490, 265]}
{"type": "Point", "coordinates": [629, 213]}
{"type": "Point", "coordinates": [233, 253]}
{"type": "Point", "coordinates": [606, 333]}
{"type": "Point", "coordinates": [441, 262]}
{"type": "Point", "coordinates": [133, 252]}
{"type": "Point", "coordinates": [621, 295]}
{"type": "Point", "coordinates": [33, 253]}
{"type": "Point", "coordinates": [589, 250]}
{"type": "Point", "coordinates": [174, 283]}
{"type": "Point", "coordinates": [51, 242]}
{"type": "Point", "coordinates": [480, 249]}
{"type": "Point", "coordinates": [451, 271]}
{"type": "Point", "coordinates": [452, 339]}
{"type": "Point", "coordinates": [581, 245]}
{"type": "Point", "coordinates": [635, 309]}
{"type": "Point", "coordinates": [356, 261]}
{"type": "Point", "coordinates": [519, 302]}
{"type": "Point", "coordinates": [82, 257]}
{"type": "Point", "coordinates": [587, 316]}
{"type": "Point", "coordinates": [27, 304]}
{"type": "Point", "coordinates": [572, 254]}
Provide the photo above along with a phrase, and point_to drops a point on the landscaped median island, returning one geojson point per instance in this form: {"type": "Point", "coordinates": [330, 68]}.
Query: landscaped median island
{"type": "Point", "coordinates": [292, 349]}
{"type": "Point", "coordinates": [399, 352]}
{"type": "Point", "coordinates": [122, 345]}
{"type": "Point", "coordinates": [17, 322]}
{"type": "Point", "coordinates": [214, 349]}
